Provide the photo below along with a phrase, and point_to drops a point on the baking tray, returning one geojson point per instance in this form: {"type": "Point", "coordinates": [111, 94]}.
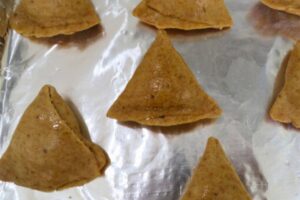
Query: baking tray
{"type": "Point", "coordinates": [238, 67]}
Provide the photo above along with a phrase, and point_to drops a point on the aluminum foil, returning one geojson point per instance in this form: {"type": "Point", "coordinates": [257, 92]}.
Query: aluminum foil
{"type": "Point", "coordinates": [238, 67]}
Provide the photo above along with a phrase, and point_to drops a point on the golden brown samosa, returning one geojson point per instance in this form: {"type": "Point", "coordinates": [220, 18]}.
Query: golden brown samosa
{"type": "Point", "coordinates": [163, 91]}
{"type": "Point", "coordinates": [286, 108]}
{"type": "Point", "coordinates": [44, 18]}
{"type": "Point", "coordinates": [215, 178]}
{"type": "Point", "coordinates": [184, 14]}
{"type": "Point", "coordinates": [48, 150]}
{"type": "Point", "coordinates": [154, 18]}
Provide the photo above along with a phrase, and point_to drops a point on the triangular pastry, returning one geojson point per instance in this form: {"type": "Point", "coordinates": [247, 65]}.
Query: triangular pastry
{"type": "Point", "coordinates": [44, 18]}
{"type": "Point", "coordinates": [184, 14]}
{"type": "Point", "coordinates": [286, 108]}
{"type": "Point", "coordinates": [163, 91]}
{"type": "Point", "coordinates": [215, 178]}
{"type": "Point", "coordinates": [289, 6]}
{"type": "Point", "coordinates": [48, 151]}
{"type": "Point", "coordinates": [154, 18]}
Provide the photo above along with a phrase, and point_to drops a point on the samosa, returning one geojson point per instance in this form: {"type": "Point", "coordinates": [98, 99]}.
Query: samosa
{"type": "Point", "coordinates": [215, 178]}
{"type": "Point", "coordinates": [163, 91]}
{"type": "Point", "coordinates": [184, 14]}
{"type": "Point", "coordinates": [44, 18]}
{"type": "Point", "coordinates": [48, 150]}
{"type": "Point", "coordinates": [286, 108]}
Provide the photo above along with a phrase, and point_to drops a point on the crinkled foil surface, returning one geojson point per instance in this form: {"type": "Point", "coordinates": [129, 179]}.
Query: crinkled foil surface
{"type": "Point", "coordinates": [238, 67]}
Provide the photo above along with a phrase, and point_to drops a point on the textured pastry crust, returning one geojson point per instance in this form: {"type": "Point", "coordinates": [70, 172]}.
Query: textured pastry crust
{"type": "Point", "coordinates": [215, 178]}
{"type": "Point", "coordinates": [286, 108]}
{"type": "Point", "coordinates": [44, 18]}
{"type": "Point", "coordinates": [163, 91]}
{"type": "Point", "coordinates": [171, 15]}
{"type": "Point", "coordinates": [289, 6]}
{"type": "Point", "coordinates": [154, 18]}
{"type": "Point", "coordinates": [48, 151]}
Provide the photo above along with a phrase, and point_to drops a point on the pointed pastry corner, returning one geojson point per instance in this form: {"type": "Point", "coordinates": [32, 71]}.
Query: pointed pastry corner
{"type": "Point", "coordinates": [162, 33]}
{"type": "Point", "coordinates": [217, 111]}
{"type": "Point", "coordinates": [212, 145]}
{"type": "Point", "coordinates": [135, 12]}
{"type": "Point", "coordinates": [45, 88]}
{"type": "Point", "coordinates": [213, 141]}
{"type": "Point", "coordinates": [110, 112]}
{"type": "Point", "coordinates": [162, 36]}
{"type": "Point", "coordinates": [230, 22]}
{"type": "Point", "coordinates": [279, 111]}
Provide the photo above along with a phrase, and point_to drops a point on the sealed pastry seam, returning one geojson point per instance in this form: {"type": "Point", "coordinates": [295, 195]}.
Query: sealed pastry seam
{"type": "Point", "coordinates": [78, 135]}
